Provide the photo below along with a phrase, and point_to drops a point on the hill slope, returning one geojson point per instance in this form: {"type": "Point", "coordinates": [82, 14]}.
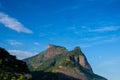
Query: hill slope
{"type": "Point", "coordinates": [57, 63]}
{"type": "Point", "coordinates": [11, 68]}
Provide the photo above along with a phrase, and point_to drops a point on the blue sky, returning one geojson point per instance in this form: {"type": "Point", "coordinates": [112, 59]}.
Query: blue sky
{"type": "Point", "coordinates": [27, 26]}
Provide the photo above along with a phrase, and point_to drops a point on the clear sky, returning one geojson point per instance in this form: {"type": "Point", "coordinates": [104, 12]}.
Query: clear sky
{"type": "Point", "coordinates": [27, 26]}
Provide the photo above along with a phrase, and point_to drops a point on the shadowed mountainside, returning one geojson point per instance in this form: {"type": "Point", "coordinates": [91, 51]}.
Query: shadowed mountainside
{"type": "Point", "coordinates": [41, 75]}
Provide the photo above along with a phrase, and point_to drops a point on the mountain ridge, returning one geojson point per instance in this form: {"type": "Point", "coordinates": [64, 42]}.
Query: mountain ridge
{"type": "Point", "coordinates": [57, 59]}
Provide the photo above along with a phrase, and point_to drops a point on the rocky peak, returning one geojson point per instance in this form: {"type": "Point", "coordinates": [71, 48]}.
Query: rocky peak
{"type": "Point", "coordinates": [77, 48]}
{"type": "Point", "coordinates": [50, 46]}
{"type": "Point", "coordinates": [81, 59]}
{"type": "Point", "coordinates": [52, 50]}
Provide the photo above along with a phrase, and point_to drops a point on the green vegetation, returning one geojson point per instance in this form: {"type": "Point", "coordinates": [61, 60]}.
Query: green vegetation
{"type": "Point", "coordinates": [50, 64]}
{"type": "Point", "coordinates": [54, 62]}
{"type": "Point", "coordinates": [11, 68]}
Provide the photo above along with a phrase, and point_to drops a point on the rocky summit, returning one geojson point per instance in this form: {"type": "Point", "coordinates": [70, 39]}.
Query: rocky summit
{"type": "Point", "coordinates": [57, 63]}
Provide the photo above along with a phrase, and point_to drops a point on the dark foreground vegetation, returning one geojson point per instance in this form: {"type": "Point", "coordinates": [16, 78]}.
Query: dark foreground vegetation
{"type": "Point", "coordinates": [12, 68]}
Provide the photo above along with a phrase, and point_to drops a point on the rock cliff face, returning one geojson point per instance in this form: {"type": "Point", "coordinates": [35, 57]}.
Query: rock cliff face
{"type": "Point", "coordinates": [62, 64]}
{"type": "Point", "coordinates": [81, 59]}
{"type": "Point", "coordinates": [53, 50]}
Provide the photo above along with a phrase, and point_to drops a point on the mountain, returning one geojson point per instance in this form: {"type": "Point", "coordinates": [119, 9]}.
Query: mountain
{"type": "Point", "coordinates": [57, 63]}
{"type": "Point", "coordinates": [12, 68]}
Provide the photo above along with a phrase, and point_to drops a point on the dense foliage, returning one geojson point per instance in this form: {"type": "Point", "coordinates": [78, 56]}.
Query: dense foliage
{"type": "Point", "coordinates": [11, 68]}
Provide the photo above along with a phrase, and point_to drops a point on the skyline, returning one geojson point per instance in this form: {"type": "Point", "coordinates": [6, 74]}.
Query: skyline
{"type": "Point", "coordinates": [27, 27]}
